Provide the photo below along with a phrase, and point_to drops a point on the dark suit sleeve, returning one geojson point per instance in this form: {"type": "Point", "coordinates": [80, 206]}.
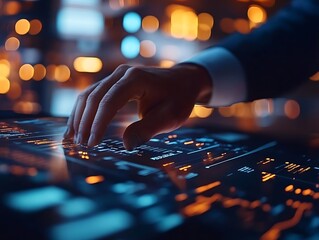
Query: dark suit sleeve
{"type": "Point", "coordinates": [282, 53]}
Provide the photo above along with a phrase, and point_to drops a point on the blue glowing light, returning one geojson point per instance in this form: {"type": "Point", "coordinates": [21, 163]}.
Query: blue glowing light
{"type": "Point", "coordinates": [170, 222]}
{"type": "Point", "coordinates": [76, 207]}
{"type": "Point", "coordinates": [132, 22]}
{"type": "Point", "coordinates": [101, 225]}
{"type": "Point", "coordinates": [130, 47]}
{"type": "Point", "coordinates": [36, 199]}
{"type": "Point", "coordinates": [73, 22]}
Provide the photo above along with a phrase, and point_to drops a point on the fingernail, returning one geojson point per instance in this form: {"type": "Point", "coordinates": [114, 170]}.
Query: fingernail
{"type": "Point", "coordinates": [92, 140]}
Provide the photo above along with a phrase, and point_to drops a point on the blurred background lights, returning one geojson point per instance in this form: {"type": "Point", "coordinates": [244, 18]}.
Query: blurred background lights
{"type": "Point", "coordinates": [147, 49]}
{"type": "Point", "coordinates": [256, 14]}
{"type": "Point", "coordinates": [131, 22]}
{"type": "Point", "coordinates": [4, 85]}
{"type": "Point", "coordinates": [184, 24]}
{"type": "Point", "coordinates": [22, 26]}
{"type": "Point", "coordinates": [4, 68]}
{"type": "Point", "coordinates": [85, 3]}
{"type": "Point", "coordinates": [26, 72]}
{"type": "Point", "coordinates": [73, 22]}
{"type": "Point", "coordinates": [130, 47]}
{"type": "Point", "coordinates": [12, 44]}
{"type": "Point", "coordinates": [39, 72]}
{"type": "Point", "coordinates": [88, 64]}
{"type": "Point", "coordinates": [62, 73]}
{"type": "Point", "coordinates": [292, 109]}
{"type": "Point", "coordinates": [35, 27]}
{"type": "Point", "coordinates": [12, 7]}
{"type": "Point", "coordinates": [150, 24]}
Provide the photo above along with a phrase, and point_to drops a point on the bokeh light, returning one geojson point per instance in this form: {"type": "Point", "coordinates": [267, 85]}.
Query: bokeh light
{"type": "Point", "coordinates": [242, 25]}
{"type": "Point", "coordinates": [150, 24]}
{"type": "Point", "coordinates": [292, 109]}
{"type": "Point", "coordinates": [256, 14]}
{"type": "Point", "coordinates": [147, 49]}
{"type": "Point", "coordinates": [132, 22]}
{"type": "Point", "coordinates": [26, 72]}
{"type": "Point", "coordinates": [130, 47]}
{"type": "Point", "coordinates": [35, 27]}
{"type": "Point", "coordinates": [4, 85]}
{"type": "Point", "coordinates": [62, 73]}
{"type": "Point", "coordinates": [22, 26]}
{"type": "Point", "coordinates": [12, 7]}
{"type": "Point", "coordinates": [184, 24]}
{"type": "Point", "coordinates": [39, 72]}
{"type": "Point", "coordinates": [12, 44]}
{"type": "Point", "coordinates": [4, 68]}
{"type": "Point", "coordinates": [87, 64]}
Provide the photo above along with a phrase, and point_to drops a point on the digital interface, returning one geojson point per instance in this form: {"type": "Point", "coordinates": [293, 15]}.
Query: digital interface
{"type": "Point", "coordinates": [191, 183]}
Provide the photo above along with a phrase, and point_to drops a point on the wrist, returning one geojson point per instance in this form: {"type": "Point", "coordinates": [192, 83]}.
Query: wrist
{"type": "Point", "coordinates": [198, 79]}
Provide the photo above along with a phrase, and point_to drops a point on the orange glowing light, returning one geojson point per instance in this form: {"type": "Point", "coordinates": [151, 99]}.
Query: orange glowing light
{"type": "Point", "coordinates": [275, 231]}
{"type": "Point", "coordinates": [205, 25]}
{"type": "Point", "coordinates": [181, 197]}
{"type": "Point", "coordinates": [307, 192]}
{"type": "Point", "coordinates": [167, 63]}
{"type": "Point", "coordinates": [12, 7]}
{"type": "Point", "coordinates": [26, 72]}
{"type": "Point", "coordinates": [298, 191]}
{"type": "Point", "coordinates": [88, 64]}
{"type": "Point", "coordinates": [147, 49]}
{"type": "Point", "coordinates": [39, 72]}
{"type": "Point", "coordinates": [256, 14]}
{"type": "Point", "coordinates": [22, 26]}
{"type": "Point", "coordinates": [204, 188]}
{"type": "Point", "coordinates": [289, 188]}
{"type": "Point", "coordinates": [242, 26]}
{"type": "Point", "coordinates": [4, 85]}
{"type": "Point", "coordinates": [51, 72]}
{"type": "Point", "coordinates": [150, 24]}
{"type": "Point", "coordinates": [202, 112]}
{"type": "Point", "coordinates": [184, 24]}
{"type": "Point", "coordinates": [292, 109]}
{"type": "Point", "coordinates": [62, 73]}
{"type": "Point", "coordinates": [35, 27]}
{"type": "Point", "coordinates": [94, 179]}
{"type": "Point", "coordinates": [4, 68]}
{"type": "Point", "coordinates": [315, 77]}
{"type": "Point", "coordinates": [12, 44]}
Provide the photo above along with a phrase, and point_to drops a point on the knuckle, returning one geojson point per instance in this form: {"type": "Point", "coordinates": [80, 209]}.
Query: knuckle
{"type": "Point", "coordinates": [135, 72]}
{"type": "Point", "coordinates": [122, 67]}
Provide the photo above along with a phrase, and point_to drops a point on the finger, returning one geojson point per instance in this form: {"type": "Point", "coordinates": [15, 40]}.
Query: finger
{"type": "Point", "coordinates": [94, 100]}
{"type": "Point", "coordinates": [69, 130]}
{"type": "Point", "coordinates": [130, 86]}
{"type": "Point", "coordinates": [163, 118]}
{"type": "Point", "coordinates": [79, 108]}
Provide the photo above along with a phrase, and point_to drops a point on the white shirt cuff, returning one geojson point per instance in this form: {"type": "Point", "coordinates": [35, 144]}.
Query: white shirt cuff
{"type": "Point", "coordinates": [227, 74]}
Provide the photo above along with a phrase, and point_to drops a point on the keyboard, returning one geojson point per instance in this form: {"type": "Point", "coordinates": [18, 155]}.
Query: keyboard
{"type": "Point", "coordinates": [195, 182]}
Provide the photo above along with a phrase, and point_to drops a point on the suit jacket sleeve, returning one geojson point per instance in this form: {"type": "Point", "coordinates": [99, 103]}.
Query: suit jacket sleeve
{"type": "Point", "coordinates": [280, 54]}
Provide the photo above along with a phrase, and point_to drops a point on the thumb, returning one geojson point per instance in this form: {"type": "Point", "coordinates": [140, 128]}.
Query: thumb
{"type": "Point", "coordinates": [159, 120]}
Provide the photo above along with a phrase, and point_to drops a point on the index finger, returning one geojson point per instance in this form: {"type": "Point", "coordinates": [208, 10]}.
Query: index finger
{"type": "Point", "coordinates": [130, 86]}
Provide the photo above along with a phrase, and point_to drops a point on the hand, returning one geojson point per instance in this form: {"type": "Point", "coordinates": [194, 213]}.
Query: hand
{"type": "Point", "coordinates": [165, 100]}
